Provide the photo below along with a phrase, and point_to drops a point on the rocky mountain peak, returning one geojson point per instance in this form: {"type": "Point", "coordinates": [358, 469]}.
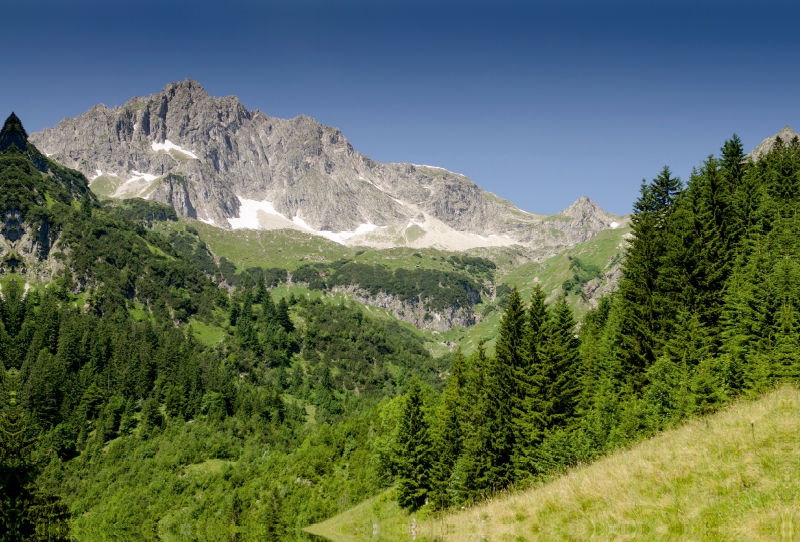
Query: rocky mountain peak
{"type": "Point", "coordinates": [187, 87]}
{"type": "Point", "coordinates": [213, 160]}
{"type": "Point", "coordinates": [582, 207]}
{"type": "Point", "coordinates": [586, 212]}
{"type": "Point", "coordinates": [786, 134]}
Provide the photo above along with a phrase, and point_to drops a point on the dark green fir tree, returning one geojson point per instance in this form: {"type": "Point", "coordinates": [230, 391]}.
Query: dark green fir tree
{"type": "Point", "coordinates": [415, 452]}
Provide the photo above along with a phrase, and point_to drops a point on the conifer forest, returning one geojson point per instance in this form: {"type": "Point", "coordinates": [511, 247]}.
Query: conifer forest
{"type": "Point", "coordinates": [117, 418]}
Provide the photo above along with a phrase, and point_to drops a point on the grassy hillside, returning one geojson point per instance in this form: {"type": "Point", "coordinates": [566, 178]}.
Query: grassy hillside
{"type": "Point", "coordinates": [272, 248]}
{"type": "Point", "coordinates": [377, 519]}
{"type": "Point", "coordinates": [516, 266]}
{"type": "Point", "coordinates": [718, 478]}
{"type": "Point", "coordinates": [731, 476]}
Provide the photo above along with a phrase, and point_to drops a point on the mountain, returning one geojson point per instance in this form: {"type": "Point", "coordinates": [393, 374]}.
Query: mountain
{"type": "Point", "coordinates": [786, 134]}
{"type": "Point", "coordinates": [213, 160]}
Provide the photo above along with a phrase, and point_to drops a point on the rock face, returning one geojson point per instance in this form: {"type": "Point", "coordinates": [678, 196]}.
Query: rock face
{"type": "Point", "coordinates": [215, 161]}
{"type": "Point", "coordinates": [415, 313]}
{"type": "Point", "coordinates": [786, 134]}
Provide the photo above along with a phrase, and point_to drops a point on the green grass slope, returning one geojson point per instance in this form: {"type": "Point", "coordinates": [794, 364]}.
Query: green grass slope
{"type": "Point", "coordinates": [377, 519]}
{"type": "Point", "coordinates": [730, 476]}
{"type": "Point", "coordinates": [291, 249]}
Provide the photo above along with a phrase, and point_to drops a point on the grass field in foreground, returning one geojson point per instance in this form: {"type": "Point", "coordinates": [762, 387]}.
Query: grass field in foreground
{"type": "Point", "coordinates": [715, 478]}
{"type": "Point", "coordinates": [732, 476]}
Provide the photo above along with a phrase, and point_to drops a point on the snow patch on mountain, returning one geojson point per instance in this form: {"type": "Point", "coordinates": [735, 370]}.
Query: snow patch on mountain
{"type": "Point", "coordinates": [138, 176]}
{"type": "Point", "coordinates": [248, 213]}
{"type": "Point", "coordinates": [168, 145]}
{"type": "Point", "coordinates": [343, 236]}
{"type": "Point", "coordinates": [337, 237]}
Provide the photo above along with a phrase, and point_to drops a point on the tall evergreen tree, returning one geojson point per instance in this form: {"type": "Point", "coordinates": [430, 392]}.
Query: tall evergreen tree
{"type": "Point", "coordinates": [26, 512]}
{"type": "Point", "coordinates": [510, 385]}
{"type": "Point", "coordinates": [471, 476]}
{"type": "Point", "coordinates": [637, 342]}
{"type": "Point", "coordinates": [529, 414]}
{"type": "Point", "coordinates": [282, 315]}
{"type": "Point", "coordinates": [415, 453]}
{"type": "Point", "coordinates": [563, 388]}
{"type": "Point", "coordinates": [449, 437]}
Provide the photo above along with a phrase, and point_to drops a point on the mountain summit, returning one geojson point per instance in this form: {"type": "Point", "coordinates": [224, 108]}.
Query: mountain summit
{"type": "Point", "coordinates": [214, 160]}
{"type": "Point", "coordinates": [786, 134]}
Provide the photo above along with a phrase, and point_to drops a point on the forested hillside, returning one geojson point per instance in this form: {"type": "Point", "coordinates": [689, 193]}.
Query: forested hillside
{"type": "Point", "coordinates": [706, 311]}
{"type": "Point", "coordinates": [136, 424]}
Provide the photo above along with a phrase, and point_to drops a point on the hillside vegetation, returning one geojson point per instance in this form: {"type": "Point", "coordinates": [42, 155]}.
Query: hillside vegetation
{"type": "Point", "coordinates": [163, 387]}
{"type": "Point", "coordinates": [274, 412]}
{"type": "Point", "coordinates": [585, 272]}
{"type": "Point", "coordinates": [730, 476]}
{"type": "Point", "coordinates": [705, 313]}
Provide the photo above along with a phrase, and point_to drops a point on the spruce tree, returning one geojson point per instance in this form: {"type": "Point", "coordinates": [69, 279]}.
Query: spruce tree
{"type": "Point", "coordinates": [733, 167]}
{"type": "Point", "coordinates": [697, 263]}
{"type": "Point", "coordinates": [666, 394]}
{"type": "Point", "coordinates": [282, 315]}
{"type": "Point", "coordinates": [86, 205]}
{"type": "Point", "coordinates": [510, 386]}
{"type": "Point", "coordinates": [415, 454]}
{"type": "Point", "coordinates": [563, 388]}
{"type": "Point", "coordinates": [637, 343]}
{"type": "Point", "coordinates": [28, 513]}
{"type": "Point", "coordinates": [261, 291]}
{"type": "Point", "coordinates": [529, 415]}
{"type": "Point", "coordinates": [471, 476]}
{"type": "Point", "coordinates": [706, 387]}
{"type": "Point", "coordinates": [449, 435]}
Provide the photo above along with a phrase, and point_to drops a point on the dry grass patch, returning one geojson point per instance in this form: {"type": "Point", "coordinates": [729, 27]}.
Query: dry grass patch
{"type": "Point", "coordinates": [719, 478]}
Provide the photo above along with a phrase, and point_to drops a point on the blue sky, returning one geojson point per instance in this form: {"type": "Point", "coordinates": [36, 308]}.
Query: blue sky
{"type": "Point", "coordinates": [538, 102]}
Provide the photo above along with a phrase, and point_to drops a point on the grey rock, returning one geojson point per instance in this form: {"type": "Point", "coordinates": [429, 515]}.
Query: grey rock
{"type": "Point", "coordinates": [415, 313]}
{"type": "Point", "coordinates": [786, 134]}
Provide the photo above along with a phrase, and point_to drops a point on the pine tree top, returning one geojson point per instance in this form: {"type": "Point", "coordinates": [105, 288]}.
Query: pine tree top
{"type": "Point", "coordinates": [13, 133]}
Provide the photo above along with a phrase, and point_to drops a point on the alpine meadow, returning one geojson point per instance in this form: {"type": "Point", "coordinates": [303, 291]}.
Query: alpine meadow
{"type": "Point", "coordinates": [171, 375]}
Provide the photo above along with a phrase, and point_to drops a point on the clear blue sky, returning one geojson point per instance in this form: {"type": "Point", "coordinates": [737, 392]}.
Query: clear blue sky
{"type": "Point", "coordinates": [539, 102]}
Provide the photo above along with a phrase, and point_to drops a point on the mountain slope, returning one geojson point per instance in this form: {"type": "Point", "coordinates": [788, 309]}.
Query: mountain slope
{"type": "Point", "coordinates": [34, 194]}
{"type": "Point", "coordinates": [214, 160]}
{"type": "Point", "coordinates": [99, 346]}
{"type": "Point", "coordinates": [731, 476]}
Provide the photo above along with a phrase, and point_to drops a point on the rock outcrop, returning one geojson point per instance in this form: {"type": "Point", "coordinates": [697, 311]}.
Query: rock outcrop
{"type": "Point", "coordinates": [415, 313]}
{"type": "Point", "coordinates": [786, 134]}
{"type": "Point", "coordinates": [29, 185]}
